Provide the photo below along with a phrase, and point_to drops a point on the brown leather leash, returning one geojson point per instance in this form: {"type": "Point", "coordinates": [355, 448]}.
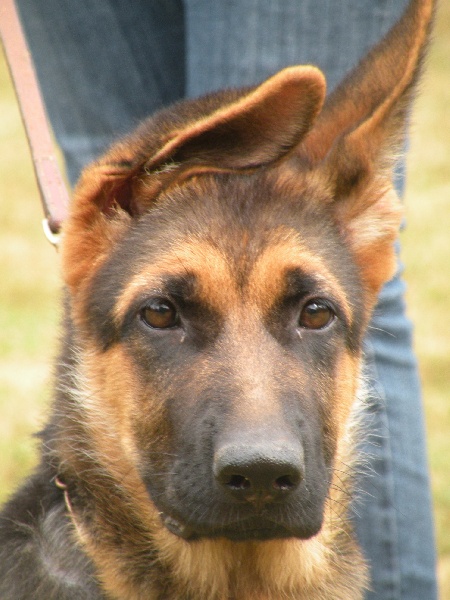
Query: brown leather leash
{"type": "Point", "coordinates": [52, 188]}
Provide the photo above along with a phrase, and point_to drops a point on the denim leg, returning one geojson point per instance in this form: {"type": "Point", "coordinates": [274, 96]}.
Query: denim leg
{"type": "Point", "coordinates": [237, 43]}
{"type": "Point", "coordinates": [233, 43]}
{"type": "Point", "coordinates": [395, 494]}
{"type": "Point", "coordinates": [103, 66]}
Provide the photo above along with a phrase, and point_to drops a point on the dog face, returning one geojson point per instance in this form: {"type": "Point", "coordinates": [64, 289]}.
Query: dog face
{"type": "Point", "coordinates": [222, 308]}
{"type": "Point", "coordinates": [236, 347]}
{"type": "Point", "coordinates": [221, 266]}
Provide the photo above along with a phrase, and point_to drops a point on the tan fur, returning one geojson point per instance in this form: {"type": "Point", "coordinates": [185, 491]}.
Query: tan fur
{"type": "Point", "coordinates": [215, 273]}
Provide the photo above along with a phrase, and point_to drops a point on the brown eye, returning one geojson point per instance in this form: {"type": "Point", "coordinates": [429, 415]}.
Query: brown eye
{"type": "Point", "coordinates": [316, 314]}
{"type": "Point", "coordinates": [160, 314]}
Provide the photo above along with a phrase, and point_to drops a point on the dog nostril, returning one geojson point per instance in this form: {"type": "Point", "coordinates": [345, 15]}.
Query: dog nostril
{"type": "Point", "coordinates": [285, 483]}
{"type": "Point", "coordinates": [238, 482]}
{"type": "Point", "coordinates": [259, 473]}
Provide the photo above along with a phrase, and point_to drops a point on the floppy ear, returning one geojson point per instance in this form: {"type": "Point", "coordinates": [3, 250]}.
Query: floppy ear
{"type": "Point", "coordinates": [257, 128]}
{"type": "Point", "coordinates": [357, 137]}
{"type": "Point", "coordinates": [227, 131]}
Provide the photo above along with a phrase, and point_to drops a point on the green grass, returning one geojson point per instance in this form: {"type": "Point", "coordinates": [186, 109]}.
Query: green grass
{"type": "Point", "coordinates": [29, 287]}
{"type": "Point", "coordinates": [426, 252]}
{"type": "Point", "coordinates": [28, 299]}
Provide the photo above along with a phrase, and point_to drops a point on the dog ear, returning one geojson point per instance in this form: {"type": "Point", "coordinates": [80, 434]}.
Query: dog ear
{"type": "Point", "coordinates": [227, 131]}
{"type": "Point", "coordinates": [357, 137]}
{"type": "Point", "coordinates": [255, 129]}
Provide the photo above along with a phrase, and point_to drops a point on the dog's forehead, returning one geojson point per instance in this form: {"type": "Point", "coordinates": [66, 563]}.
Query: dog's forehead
{"type": "Point", "coordinates": [231, 243]}
{"type": "Point", "coordinates": [211, 274]}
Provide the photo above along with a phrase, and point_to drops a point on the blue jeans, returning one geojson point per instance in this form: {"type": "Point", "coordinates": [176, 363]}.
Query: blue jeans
{"type": "Point", "coordinates": [105, 65]}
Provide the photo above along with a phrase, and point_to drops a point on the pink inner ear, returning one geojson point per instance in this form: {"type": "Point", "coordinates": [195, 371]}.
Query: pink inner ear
{"type": "Point", "coordinates": [118, 195]}
{"type": "Point", "coordinates": [109, 186]}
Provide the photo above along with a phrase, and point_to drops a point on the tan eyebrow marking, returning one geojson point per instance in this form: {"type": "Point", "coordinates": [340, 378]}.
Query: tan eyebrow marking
{"type": "Point", "coordinates": [268, 274]}
{"type": "Point", "coordinates": [218, 284]}
{"type": "Point", "coordinates": [199, 257]}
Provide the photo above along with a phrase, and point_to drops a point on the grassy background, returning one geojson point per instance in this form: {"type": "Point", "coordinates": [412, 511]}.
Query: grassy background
{"type": "Point", "coordinates": [29, 284]}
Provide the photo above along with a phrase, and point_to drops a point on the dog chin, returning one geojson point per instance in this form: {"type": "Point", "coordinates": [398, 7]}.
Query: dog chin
{"type": "Point", "coordinates": [250, 530]}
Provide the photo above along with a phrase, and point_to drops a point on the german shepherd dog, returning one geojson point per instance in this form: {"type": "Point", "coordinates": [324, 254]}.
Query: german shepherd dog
{"type": "Point", "coordinates": [220, 266]}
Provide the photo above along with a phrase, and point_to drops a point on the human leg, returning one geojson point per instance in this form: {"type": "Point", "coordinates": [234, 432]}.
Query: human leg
{"type": "Point", "coordinates": [103, 66]}
{"type": "Point", "coordinates": [236, 43]}
{"type": "Point", "coordinates": [394, 518]}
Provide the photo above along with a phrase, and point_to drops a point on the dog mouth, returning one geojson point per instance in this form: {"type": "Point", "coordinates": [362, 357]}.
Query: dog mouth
{"type": "Point", "coordinates": [250, 529]}
{"type": "Point", "coordinates": [177, 527]}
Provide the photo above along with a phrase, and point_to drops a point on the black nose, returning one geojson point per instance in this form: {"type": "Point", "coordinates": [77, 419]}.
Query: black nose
{"type": "Point", "coordinates": [259, 473]}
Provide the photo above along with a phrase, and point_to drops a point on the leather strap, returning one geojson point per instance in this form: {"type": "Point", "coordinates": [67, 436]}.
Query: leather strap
{"type": "Point", "coordinates": [52, 188]}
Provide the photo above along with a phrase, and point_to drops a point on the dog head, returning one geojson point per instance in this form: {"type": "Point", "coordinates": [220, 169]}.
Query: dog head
{"type": "Point", "coordinates": [221, 265]}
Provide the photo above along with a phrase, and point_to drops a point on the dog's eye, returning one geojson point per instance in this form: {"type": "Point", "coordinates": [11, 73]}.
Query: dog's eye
{"type": "Point", "coordinates": [316, 314]}
{"type": "Point", "coordinates": [159, 313]}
